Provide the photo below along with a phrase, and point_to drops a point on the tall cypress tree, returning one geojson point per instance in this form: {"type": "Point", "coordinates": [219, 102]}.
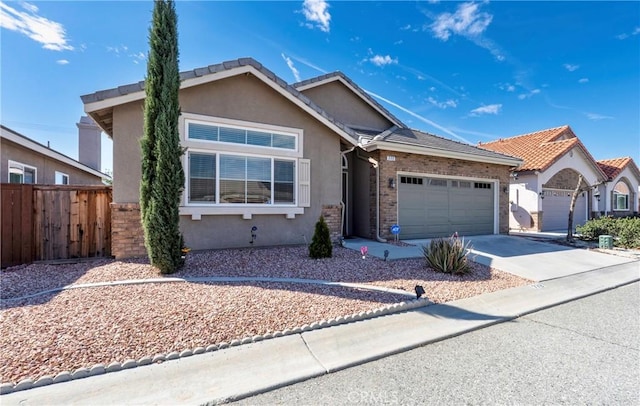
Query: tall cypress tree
{"type": "Point", "coordinates": [162, 173]}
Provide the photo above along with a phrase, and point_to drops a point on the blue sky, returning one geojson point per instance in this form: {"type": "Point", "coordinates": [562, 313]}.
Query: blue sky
{"type": "Point", "coordinates": [469, 71]}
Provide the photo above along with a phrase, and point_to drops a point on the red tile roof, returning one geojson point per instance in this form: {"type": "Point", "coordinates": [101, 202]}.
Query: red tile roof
{"type": "Point", "coordinates": [613, 167]}
{"type": "Point", "coordinates": [540, 149]}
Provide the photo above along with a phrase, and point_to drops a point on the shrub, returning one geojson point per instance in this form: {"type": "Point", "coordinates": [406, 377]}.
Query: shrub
{"type": "Point", "coordinates": [593, 229]}
{"type": "Point", "coordinates": [625, 231]}
{"type": "Point", "coordinates": [628, 233]}
{"type": "Point", "coordinates": [321, 246]}
{"type": "Point", "coordinates": [448, 255]}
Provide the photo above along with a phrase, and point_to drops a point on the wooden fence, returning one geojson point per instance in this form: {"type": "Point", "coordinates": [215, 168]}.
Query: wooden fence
{"type": "Point", "coordinates": [41, 222]}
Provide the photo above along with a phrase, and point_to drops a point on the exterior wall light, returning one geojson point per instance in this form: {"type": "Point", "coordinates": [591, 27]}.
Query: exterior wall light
{"type": "Point", "coordinates": [541, 194]}
{"type": "Point", "coordinates": [392, 183]}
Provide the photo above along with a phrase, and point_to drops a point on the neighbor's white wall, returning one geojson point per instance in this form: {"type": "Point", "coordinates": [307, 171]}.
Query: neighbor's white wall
{"type": "Point", "coordinates": [523, 201]}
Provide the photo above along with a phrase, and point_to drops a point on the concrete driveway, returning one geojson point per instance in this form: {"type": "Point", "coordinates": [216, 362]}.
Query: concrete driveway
{"type": "Point", "coordinates": [521, 256]}
{"type": "Point", "coordinates": [535, 260]}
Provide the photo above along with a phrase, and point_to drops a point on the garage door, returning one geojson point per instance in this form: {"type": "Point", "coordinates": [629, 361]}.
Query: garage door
{"type": "Point", "coordinates": [555, 210]}
{"type": "Point", "coordinates": [436, 207]}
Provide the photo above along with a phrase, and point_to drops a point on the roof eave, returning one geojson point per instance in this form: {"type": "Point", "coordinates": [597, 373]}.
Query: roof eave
{"type": "Point", "coordinates": [100, 105]}
{"type": "Point", "coordinates": [41, 149]}
{"type": "Point", "coordinates": [422, 150]}
{"type": "Point", "coordinates": [358, 91]}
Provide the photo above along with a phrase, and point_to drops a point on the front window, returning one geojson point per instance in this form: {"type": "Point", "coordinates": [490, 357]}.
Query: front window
{"type": "Point", "coordinates": [241, 180]}
{"type": "Point", "coordinates": [238, 167]}
{"type": "Point", "coordinates": [21, 173]}
{"type": "Point", "coordinates": [621, 197]}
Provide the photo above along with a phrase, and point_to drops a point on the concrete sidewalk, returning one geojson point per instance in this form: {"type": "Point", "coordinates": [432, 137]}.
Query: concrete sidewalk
{"type": "Point", "coordinates": [242, 371]}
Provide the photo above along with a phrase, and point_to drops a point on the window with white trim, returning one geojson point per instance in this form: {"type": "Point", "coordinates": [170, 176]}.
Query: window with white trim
{"type": "Point", "coordinates": [252, 167]}
{"type": "Point", "coordinates": [62, 178]}
{"type": "Point", "coordinates": [240, 179]}
{"type": "Point", "coordinates": [21, 173]}
{"type": "Point", "coordinates": [620, 199]}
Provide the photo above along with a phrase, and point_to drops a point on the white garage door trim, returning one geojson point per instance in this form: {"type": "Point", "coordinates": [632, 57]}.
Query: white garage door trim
{"type": "Point", "coordinates": [495, 186]}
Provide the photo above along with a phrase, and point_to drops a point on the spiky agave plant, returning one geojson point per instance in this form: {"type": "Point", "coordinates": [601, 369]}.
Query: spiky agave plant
{"type": "Point", "coordinates": [448, 255]}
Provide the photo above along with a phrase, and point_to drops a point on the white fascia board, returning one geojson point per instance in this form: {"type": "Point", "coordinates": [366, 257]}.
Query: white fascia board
{"type": "Point", "coordinates": [420, 150]}
{"type": "Point", "coordinates": [41, 149]}
{"type": "Point", "coordinates": [354, 90]}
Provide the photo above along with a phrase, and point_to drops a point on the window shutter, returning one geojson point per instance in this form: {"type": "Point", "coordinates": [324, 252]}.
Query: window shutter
{"type": "Point", "coordinates": [304, 183]}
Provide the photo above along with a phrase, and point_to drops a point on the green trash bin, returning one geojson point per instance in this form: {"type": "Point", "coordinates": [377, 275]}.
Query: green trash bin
{"type": "Point", "coordinates": [606, 242]}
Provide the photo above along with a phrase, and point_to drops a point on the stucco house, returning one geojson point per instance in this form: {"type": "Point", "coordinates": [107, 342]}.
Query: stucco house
{"type": "Point", "coordinates": [24, 160]}
{"type": "Point", "coordinates": [266, 155]}
{"type": "Point", "coordinates": [541, 188]}
{"type": "Point", "coordinates": [618, 196]}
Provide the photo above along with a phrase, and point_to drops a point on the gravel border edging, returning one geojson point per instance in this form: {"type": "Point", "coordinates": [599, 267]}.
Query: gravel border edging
{"type": "Point", "coordinates": [99, 369]}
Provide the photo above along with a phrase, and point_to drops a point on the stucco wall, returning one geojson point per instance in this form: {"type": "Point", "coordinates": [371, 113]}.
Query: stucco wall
{"type": "Point", "coordinates": [46, 167]}
{"type": "Point", "coordinates": [341, 103]}
{"type": "Point", "coordinates": [246, 98]}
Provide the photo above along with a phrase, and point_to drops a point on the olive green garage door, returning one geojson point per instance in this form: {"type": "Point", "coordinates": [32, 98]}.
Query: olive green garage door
{"type": "Point", "coordinates": [437, 207]}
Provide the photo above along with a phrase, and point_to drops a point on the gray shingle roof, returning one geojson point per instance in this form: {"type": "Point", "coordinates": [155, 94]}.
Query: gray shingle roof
{"type": "Point", "coordinates": [361, 91]}
{"type": "Point", "coordinates": [422, 139]}
{"type": "Point", "coordinates": [212, 70]}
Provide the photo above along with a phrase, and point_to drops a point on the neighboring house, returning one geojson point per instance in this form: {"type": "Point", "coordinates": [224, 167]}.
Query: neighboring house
{"type": "Point", "coordinates": [541, 188]}
{"type": "Point", "coordinates": [24, 160]}
{"type": "Point", "coordinates": [262, 153]}
{"type": "Point", "coordinates": [619, 195]}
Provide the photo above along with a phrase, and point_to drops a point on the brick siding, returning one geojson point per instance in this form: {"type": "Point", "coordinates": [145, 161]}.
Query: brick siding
{"type": "Point", "coordinates": [423, 165]}
{"type": "Point", "coordinates": [332, 214]}
{"type": "Point", "coordinates": [127, 236]}
{"type": "Point", "coordinates": [565, 179]}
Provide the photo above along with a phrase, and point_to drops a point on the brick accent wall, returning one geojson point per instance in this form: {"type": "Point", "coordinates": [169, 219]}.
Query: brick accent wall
{"type": "Point", "coordinates": [565, 179]}
{"type": "Point", "coordinates": [127, 236]}
{"type": "Point", "coordinates": [536, 220]}
{"type": "Point", "coordinates": [430, 165]}
{"type": "Point", "coordinates": [332, 214]}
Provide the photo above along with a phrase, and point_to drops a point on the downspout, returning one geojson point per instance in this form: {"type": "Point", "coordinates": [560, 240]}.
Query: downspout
{"type": "Point", "coordinates": [377, 167]}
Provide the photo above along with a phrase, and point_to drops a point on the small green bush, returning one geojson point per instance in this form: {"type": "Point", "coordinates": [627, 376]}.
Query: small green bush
{"type": "Point", "coordinates": [321, 246]}
{"type": "Point", "coordinates": [593, 229]}
{"type": "Point", "coordinates": [628, 233]}
{"type": "Point", "coordinates": [448, 255]}
{"type": "Point", "coordinates": [625, 231]}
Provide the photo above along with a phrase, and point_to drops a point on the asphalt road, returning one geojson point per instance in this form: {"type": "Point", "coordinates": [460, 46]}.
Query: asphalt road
{"type": "Point", "coordinates": [582, 352]}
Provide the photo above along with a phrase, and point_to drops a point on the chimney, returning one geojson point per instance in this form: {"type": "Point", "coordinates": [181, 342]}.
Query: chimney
{"type": "Point", "coordinates": [89, 143]}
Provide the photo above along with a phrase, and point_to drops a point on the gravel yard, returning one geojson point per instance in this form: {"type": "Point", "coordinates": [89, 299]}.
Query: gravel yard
{"type": "Point", "coordinates": [51, 333]}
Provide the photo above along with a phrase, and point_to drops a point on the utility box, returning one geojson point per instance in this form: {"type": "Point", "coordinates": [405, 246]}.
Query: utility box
{"type": "Point", "coordinates": [606, 242]}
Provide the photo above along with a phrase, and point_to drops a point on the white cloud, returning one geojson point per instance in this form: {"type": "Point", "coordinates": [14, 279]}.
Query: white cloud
{"type": "Point", "coordinates": [443, 105]}
{"type": "Point", "coordinates": [380, 60]}
{"type": "Point", "coordinates": [62, 62]}
{"type": "Point", "coordinates": [316, 12]}
{"type": "Point", "coordinates": [583, 80]}
{"type": "Point", "coordinates": [296, 73]}
{"type": "Point", "coordinates": [596, 116]}
{"type": "Point", "coordinates": [636, 31]}
{"type": "Point", "coordinates": [490, 109]}
{"type": "Point", "coordinates": [466, 21]}
{"type": "Point", "coordinates": [528, 95]}
{"type": "Point", "coordinates": [399, 42]}
{"type": "Point", "coordinates": [507, 87]}
{"type": "Point", "coordinates": [406, 27]}
{"type": "Point", "coordinates": [571, 68]}
{"type": "Point", "coordinates": [50, 34]}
